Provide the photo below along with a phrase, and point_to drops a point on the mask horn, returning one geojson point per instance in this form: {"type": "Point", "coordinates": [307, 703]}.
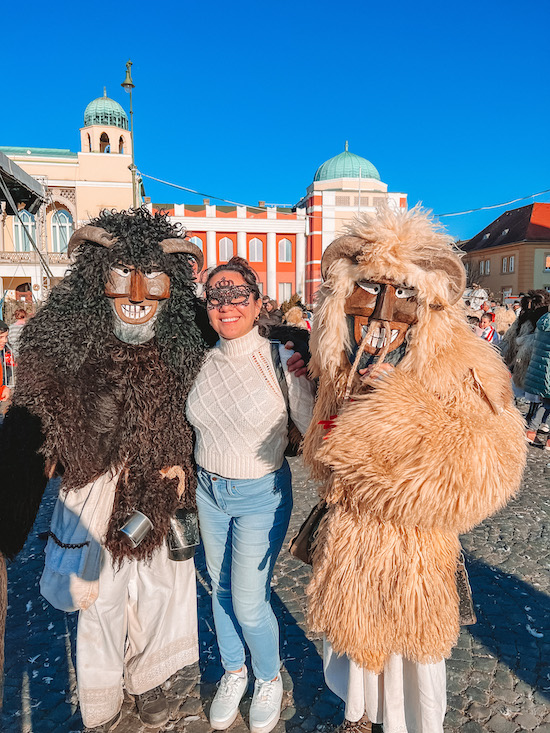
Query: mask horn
{"type": "Point", "coordinates": [88, 233]}
{"type": "Point", "coordinates": [346, 247]}
{"type": "Point", "coordinates": [176, 245]}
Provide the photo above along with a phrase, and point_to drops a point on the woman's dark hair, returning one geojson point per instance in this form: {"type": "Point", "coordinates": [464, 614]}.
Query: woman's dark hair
{"type": "Point", "coordinates": [242, 267]}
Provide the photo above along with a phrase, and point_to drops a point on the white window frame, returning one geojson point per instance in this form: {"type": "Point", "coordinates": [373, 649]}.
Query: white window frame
{"type": "Point", "coordinates": [487, 267]}
{"type": "Point", "coordinates": [226, 242]}
{"type": "Point", "coordinates": [511, 263]}
{"type": "Point", "coordinates": [198, 242]}
{"type": "Point", "coordinates": [21, 242]}
{"type": "Point", "coordinates": [504, 265]}
{"type": "Point", "coordinates": [482, 267]}
{"type": "Point", "coordinates": [285, 251]}
{"type": "Point", "coordinates": [62, 228]}
{"type": "Point", "coordinates": [254, 245]}
{"type": "Point", "coordinates": [285, 288]}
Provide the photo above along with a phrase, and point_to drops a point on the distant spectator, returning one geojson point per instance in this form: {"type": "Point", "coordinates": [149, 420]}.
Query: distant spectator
{"type": "Point", "coordinates": [486, 308]}
{"type": "Point", "coordinates": [16, 327]}
{"type": "Point", "coordinates": [295, 317]}
{"type": "Point", "coordinates": [6, 369]}
{"type": "Point", "coordinates": [503, 319]}
{"type": "Point", "coordinates": [537, 378]}
{"type": "Point", "coordinates": [487, 331]}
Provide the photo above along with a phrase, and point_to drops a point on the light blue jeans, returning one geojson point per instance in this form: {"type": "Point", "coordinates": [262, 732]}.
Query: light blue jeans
{"type": "Point", "coordinates": [243, 523]}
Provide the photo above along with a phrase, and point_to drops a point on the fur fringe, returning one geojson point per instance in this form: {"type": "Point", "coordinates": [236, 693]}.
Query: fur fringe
{"type": "Point", "coordinates": [430, 452]}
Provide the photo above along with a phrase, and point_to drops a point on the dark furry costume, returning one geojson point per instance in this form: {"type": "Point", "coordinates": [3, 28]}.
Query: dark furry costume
{"type": "Point", "coordinates": [86, 401]}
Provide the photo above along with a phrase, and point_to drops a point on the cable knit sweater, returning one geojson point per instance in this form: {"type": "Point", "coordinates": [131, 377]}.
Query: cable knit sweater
{"type": "Point", "coordinates": [238, 411]}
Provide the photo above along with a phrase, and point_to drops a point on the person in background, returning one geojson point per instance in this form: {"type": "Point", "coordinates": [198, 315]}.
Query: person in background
{"type": "Point", "coordinates": [7, 364]}
{"type": "Point", "coordinates": [537, 378]}
{"type": "Point", "coordinates": [244, 495]}
{"type": "Point", "coordinates": [487, 331]}
{"type": "Point", "coordinates": [16, 327]}
{"type": "Point", "coordinates": [295, 317]}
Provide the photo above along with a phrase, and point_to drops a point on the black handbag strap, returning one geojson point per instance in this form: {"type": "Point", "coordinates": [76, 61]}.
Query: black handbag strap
{"type": "Point", "coordinates": [279, 371]}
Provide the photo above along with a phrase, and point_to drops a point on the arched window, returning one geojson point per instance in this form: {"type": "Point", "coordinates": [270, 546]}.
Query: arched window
{"type": "Point", "coordinates": [198, 242]}
{"type": "Point", "coordinates": [285, 250]}
{"type": "Point", "coordinates": [121, 145]}
{"type": "Point", "coordinates": [256, 250]}
{"type": "Point", "coordinates": [89, 143]}
{"type": "Point", "coordinates": [104, 146]}
{"type": "Point", "coordinates": [226, 249]}
{"type": "Point", "coordinates": [21, 241]}
{"type": "Point", "coordinates": [62, 228]}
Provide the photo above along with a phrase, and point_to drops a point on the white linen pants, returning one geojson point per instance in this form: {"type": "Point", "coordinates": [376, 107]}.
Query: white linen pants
{"type": "Point", "coordinates": [406, 697]}
{"type": "Point", "coordinates": [141, 629]}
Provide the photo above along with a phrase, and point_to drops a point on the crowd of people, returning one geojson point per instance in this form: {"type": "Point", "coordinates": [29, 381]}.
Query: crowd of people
{"type": "Point", "coordinates": [161, 410]}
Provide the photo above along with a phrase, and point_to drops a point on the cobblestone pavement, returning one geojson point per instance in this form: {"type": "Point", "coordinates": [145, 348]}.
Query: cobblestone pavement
{"type": "Point", "coordinates": [498, 677]}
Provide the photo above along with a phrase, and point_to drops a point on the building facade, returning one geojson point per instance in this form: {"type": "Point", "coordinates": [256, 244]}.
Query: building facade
{"type": "Point", "coordinates": [285, 245]}
{"type": "Point", "coordinates": [512, 254]}
{"type": "Point", "coordinates": [77, 187]}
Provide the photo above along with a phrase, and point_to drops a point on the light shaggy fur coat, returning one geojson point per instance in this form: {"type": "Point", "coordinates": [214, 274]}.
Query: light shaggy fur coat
{"type": "Point", "coordinates": [431, 451]}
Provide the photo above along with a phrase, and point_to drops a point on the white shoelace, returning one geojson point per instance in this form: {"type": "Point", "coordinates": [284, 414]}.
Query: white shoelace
{"type": "Point", "coordinates": [265, 693]}
{"type": "Point", "coordinates": [228, 684]}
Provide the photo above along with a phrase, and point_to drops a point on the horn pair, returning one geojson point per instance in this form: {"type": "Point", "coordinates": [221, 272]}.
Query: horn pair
{"type": "Point", "coordinates": [349, 247]}
{"type": "Point", "coordinates": [100, 236]}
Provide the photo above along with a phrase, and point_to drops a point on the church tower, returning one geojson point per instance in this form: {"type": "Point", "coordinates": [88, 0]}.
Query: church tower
{"type": "Point", "coordinates": [105, 128]}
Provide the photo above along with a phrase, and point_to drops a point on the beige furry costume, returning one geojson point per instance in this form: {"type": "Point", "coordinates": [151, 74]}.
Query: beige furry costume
{"type": "Point", "coordinates": [426, 454]}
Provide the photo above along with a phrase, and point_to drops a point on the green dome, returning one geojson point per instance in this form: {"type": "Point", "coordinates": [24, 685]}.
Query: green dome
{"type": "Point", "coordinates": [346, 165]}
{"type": "Point", "coordinates": [105, 111]}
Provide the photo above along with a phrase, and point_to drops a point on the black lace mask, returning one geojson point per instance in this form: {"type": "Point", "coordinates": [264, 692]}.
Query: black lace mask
{"type": "Point", "coordinates": [225, 292]}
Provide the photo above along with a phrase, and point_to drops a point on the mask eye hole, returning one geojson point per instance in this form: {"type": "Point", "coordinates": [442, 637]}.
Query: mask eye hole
{"type": "Point", "coordinates": [405, 292]}
{"type": "Point", "coordinates": [152, 275]}
{"type": "Point", "coordinates": [372, 288]}
{"type": "Point", "coordinates": [122, 271]}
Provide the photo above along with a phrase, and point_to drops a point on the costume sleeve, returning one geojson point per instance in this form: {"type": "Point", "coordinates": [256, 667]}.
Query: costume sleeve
{"type": "Point", "coordinates": [22, 478]}
{"type": "Point", "coordinates": [409, 456]}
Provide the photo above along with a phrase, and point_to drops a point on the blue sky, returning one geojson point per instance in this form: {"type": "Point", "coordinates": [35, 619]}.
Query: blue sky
{"type": "Point", "coordinates": [451, 102]}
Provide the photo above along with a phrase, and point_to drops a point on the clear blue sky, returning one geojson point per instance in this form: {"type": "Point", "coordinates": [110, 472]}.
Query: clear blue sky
{"type": "Point", "coordinates": [244, 100]}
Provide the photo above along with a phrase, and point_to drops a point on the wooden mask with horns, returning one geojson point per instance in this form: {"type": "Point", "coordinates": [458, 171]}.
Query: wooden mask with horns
{"type": "Point", "coordinates": [136, 294]}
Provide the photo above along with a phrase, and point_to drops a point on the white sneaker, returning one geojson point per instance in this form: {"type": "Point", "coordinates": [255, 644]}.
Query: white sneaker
{"type": "Point", "coordinates": [225, 704]}
{"type": "Point", "coordinates": [265, 710]}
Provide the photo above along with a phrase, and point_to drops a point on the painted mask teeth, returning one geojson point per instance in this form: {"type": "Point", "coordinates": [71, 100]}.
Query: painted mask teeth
{"type": "Point", "coordinates": [376, 339]}
{"type": "Point", "coordinates": [135, 312]}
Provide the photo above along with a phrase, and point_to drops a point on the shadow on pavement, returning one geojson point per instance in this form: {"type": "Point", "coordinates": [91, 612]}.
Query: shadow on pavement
{"type": "Point", "coordinates": [513, 623]}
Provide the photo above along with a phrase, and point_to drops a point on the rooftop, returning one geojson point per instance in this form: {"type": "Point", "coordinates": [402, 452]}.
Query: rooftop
{"type": "Point", "coordinates": [346, 165]}
{"type": "Point", "coordinates": [39, 152]}
{"type": "Point", "coordinates": [526, 224]}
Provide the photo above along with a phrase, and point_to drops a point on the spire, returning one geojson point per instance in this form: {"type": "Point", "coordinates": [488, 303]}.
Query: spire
{"type": "Point", "coordinates": [346, 147]}
{"type": "Point", "coordinates": [105, 94]}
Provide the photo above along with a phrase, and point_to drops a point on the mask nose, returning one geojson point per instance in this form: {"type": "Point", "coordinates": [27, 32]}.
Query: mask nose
{"type": "Point", "coordinates": [385, 304]}
{"type": "Point", "coordinates": [137, 287]}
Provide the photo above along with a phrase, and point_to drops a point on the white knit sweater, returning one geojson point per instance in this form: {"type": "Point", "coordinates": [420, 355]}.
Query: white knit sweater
{"type": "Point", "coordinates": [238, 411]}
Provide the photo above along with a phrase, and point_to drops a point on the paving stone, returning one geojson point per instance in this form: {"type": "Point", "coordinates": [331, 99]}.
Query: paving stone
{"type": "Point", "coordinates": [527, 721]}
{"type": "Point", "coordinates": [472, 727]}
{"type": "Point", "coordinates": [499, 724]}
{"type": "Point", "coordinates": [497, 672]}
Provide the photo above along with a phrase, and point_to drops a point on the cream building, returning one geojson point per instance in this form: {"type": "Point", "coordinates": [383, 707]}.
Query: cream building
{"type": "Point", "coordinates": [77, 187]}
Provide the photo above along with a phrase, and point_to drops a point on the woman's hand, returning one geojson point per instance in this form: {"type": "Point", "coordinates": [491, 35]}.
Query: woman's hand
{"type": "Point", "coordinates": [296, 364]}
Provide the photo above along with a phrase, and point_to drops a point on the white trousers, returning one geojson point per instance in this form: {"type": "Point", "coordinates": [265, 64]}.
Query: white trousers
{"type": "Point", "coordinates": [141, 629]}
{"type": "Point", "coordinates": [406, 697]}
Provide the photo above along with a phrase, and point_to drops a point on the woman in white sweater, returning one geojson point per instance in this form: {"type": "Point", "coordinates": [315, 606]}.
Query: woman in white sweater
{"type": "Point", "coordinates": [244, 493]}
